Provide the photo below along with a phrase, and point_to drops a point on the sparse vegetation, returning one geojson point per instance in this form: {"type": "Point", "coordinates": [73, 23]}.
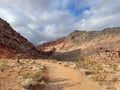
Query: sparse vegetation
{"type": "Point", "coordinates": [3, 65]}
{"type": "Point", "coordinates": [88, 64]}
{"type": "Point", "coordinates": [99, 71]}
{"type": "Point", "coordinates": [92, 68]}
{"type": "Point", "coordinates": [27, 72]}
{"type": "Point", "coordinates": [28, 83]}
{"type": "Point", "coordinates": [36, 74]}
{"type": "Point", "coordinates": [18, 58]}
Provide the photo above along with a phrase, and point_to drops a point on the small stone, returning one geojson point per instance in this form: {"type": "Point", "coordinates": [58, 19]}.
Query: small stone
{"type": "Point", "coordinates": [20, 67]}
{"type": "Point", "coordinates": [42, 82]}
{"type": "Point", "coordinates": [30, 67]}
{"type": "Point", "coordinates": [73, 66]}
{"type": "Point", "coordinates": [28, 83]}
{"type": "Point", "coordinates": [41, 67]}
{"type": "Point", "coordinates": [32, 62]}
{"type": "Point", "coordinates": [35, 68]}
{"type": "Point", "coordinates": [59, 62]}
{"type": "Point", "coordinates": [118, 68]}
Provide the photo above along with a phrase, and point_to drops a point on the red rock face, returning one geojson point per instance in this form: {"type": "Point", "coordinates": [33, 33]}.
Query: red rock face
{"type": "Point", "coordinates": [59, 45]}
{"type": "Point", "coordinates": [12, 43]}
{"type": "Point", "coordinates": [50, 45]}
{"type": "Point", "coordinates": [88, 43]}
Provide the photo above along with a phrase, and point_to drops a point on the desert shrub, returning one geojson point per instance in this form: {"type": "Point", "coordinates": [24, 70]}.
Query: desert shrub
{"type": "Point", "coordinates": [87, 64]}
{"type": "Point", "coordinates": [93, 68]}
{"type": "Point", "coordinates": [36, 74]}
{"type": "Point", "coordinates": [81, 63]}
{"type": "Point", "coordinates": [99, 76]}
{"type": "Point", "coordinates": [4, 65]}
{"type": "Point", "coordinates": [25, 74]}
{"type": "Point", "coordinates": [18, 58]}
{"type": "Point", "coordinates": [114, 66]}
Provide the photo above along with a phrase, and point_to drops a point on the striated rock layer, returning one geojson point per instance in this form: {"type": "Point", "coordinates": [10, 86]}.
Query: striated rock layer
{"type": "Point", "coordinates": [103, 44]}
{"type": "Point", "coordinates": [12, 43]}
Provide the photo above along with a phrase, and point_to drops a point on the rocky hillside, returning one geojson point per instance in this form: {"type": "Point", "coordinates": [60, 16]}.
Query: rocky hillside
{"type": "Point", "coordinates": [12, 43]}
{"type": "Point", "coordinates": [84, 39]}
{"type": "Point", "coordinates": [91, 43]}
{"type": "Point", "coordinates": [58, 44]}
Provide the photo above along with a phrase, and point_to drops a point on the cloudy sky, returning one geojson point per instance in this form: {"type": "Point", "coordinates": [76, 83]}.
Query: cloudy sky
{"type": "Point", "coordinates": [44, 20]}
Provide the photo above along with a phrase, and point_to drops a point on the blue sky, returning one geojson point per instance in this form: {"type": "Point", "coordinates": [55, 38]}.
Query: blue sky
{"type": "Point", "coordinates": [45, 20]}
{"type": "Point", "coordinates": [73, 8]}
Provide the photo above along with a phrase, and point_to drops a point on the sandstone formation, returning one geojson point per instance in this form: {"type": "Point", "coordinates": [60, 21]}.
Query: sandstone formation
{"type": "Point", "coordinates": [12, 43]}
{"type": "Point", "coordinates": [103, 44]}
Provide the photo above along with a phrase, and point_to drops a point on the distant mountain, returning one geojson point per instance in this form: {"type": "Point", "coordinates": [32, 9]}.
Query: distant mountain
{"type": "Point", "coordinates": [103, 44]}
{"type": "Point", "coordinates": [83, 39]}
{"type": "Point", "coordinates": [86, 41]}
{"type": "Point", "coordinates": [12, 43]}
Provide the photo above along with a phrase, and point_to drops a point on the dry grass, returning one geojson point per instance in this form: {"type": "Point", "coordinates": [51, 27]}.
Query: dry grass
{"type": "Point", "coordinates": [4, 65]}
{"type": "Point", "coordinates": [106, 74]}
{"type": "Point", "coordinates": [36, 74]}
{"type": "Point", "coordinates": [15, 73]}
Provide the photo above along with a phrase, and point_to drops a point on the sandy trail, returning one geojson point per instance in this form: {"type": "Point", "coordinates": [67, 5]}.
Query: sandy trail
{"type": "Point", "coordinates": [64, 78]}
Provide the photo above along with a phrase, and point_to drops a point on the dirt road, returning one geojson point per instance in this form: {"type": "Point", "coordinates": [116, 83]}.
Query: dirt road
{"type": "Point", "coordinates": [64, 78]}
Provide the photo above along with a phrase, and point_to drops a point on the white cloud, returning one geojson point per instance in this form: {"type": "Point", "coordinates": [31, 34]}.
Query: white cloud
{"type": "Point", "coordinates": [102, 15]}
{"type": "Point", "coordinates": [44, 20]}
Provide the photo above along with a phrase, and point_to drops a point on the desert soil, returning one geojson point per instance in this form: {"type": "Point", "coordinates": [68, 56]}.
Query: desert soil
{"type": "Point", "coordinates": [56, 77]}
{"type": "Point", "coordinates": [65, 78]}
